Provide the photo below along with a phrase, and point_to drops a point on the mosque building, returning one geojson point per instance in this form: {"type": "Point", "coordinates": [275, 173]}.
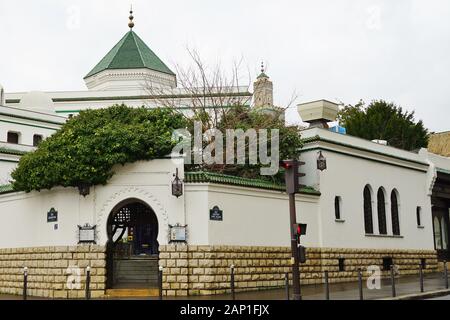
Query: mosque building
{"type": "Point", "coordinates": [373, 205]}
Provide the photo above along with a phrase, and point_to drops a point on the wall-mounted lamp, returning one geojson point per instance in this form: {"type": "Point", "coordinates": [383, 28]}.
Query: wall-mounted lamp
{"type": "Point", "coordinates": [177, 186]}
{"type": "Point", "coordinates": [321, 162]}
{"type": "Point", "coordinates": [84, 189]}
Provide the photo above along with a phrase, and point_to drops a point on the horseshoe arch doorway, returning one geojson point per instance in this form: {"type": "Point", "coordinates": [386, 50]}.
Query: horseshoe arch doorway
{"type": "Point", "coordinates": [132, 249]}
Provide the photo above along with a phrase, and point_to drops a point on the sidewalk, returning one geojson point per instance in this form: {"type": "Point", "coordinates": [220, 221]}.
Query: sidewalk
{"type": "Point", "coordinates": [340, 291]}
{"type": "Point", "coordinates": [343, 291]}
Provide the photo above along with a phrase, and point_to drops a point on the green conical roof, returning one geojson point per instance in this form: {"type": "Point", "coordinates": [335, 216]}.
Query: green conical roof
{"type": "Point", "coordinates": [130, 53]}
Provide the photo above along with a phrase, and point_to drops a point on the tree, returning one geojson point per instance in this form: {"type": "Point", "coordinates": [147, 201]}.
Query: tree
{"type": "Point", "coordinates": [384, 121]}
{"type": "Point", "coordinates": [87, 147]}
{"type": "Point", "coordinates": [219, 98]}
{"type": "Point", "coordinates": [245, 118]}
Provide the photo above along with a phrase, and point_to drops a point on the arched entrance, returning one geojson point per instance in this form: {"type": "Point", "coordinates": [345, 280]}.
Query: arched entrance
{"type": "Point", "coordinates": [132, 248]}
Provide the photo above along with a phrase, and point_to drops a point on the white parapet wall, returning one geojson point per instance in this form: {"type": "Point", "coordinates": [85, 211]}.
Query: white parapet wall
{"type": "Point", "coordinates": [251, 216]}
{"type": "Point", "coordinates": [149, 182]}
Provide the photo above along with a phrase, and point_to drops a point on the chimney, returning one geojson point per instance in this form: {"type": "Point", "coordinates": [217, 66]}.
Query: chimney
{"type": "Point", "coordinates": [318, 113]}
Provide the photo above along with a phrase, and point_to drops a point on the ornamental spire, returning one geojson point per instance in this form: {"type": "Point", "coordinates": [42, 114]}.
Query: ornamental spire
{"type": "Point", "coordinates": [262, 67]}
{"type": "Point", "coordinates": [131, 23]}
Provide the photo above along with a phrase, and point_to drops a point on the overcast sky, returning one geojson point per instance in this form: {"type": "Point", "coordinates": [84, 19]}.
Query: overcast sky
{"type": "Point", "coordinates": [342, 50]}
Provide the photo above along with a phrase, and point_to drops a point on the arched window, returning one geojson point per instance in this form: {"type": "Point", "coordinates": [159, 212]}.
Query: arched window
{"type": "Point", "coordinates": [13, 137]}
{"type": "Point", "coordinates": [368, 223]}
{"type": "Point", "coordinates": [37, 139]}
{"type": "Point", "coordinates": [394, 213]}
{"type": "Point", "coordinates": [444, 235]}
{"type": "Point", "coordinates": [381, 206]}
{"type": "Point", "coordinates": [437, 233]}
{"type": "Point", "coordinates": [337, 208]}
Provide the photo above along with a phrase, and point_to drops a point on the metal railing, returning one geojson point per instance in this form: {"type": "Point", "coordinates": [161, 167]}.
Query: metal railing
{"type": "Point", "coordinates": [232, 285]}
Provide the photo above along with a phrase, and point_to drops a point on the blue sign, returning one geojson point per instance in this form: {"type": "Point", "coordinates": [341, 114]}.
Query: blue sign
{"type": "Point", "coordinates": [216, 214]}
{"type": "Point", "coordinates": [52, 215]}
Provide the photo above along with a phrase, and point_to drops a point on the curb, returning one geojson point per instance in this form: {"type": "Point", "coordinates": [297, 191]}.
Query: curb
{"type": "Point", "coordinates": [420, 296]}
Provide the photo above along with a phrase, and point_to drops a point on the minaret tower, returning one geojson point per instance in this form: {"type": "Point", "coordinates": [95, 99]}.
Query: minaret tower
{"type": "Point", "coordinates": [263, 90]}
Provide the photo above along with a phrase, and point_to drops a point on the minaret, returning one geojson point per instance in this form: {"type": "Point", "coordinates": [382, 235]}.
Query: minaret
{"type": "Point", "coordinates": [263, 90]}
{"type": "Point", "coordinates": [2, 96]}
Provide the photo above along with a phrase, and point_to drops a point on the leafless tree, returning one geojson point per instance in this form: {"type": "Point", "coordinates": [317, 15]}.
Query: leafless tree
{"type": "Point", "coordinates": [204, 93]}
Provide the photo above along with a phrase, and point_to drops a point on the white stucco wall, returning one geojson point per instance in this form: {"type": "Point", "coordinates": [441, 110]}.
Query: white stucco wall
{"type": "Point", "coordinates": [25, 218]}
{"type": "Point", "coordinates": [346, 176]}
{"type": "Point", "coordinates": [6, 167]}
{"type": "Point", "coordinates": [27, 123]}
{"type": "Point", "coordinates": [26, 214]}
{"type": "Point", "coordinates": [251, 217]}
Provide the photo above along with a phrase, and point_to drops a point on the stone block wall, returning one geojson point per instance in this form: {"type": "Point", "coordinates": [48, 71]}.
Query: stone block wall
{"type": "Point", "coordinates": [49, 269]}
{"type": "Point", "coordinates": [204, 270]}
{"type": "Point", "coordinates": [196, 270]}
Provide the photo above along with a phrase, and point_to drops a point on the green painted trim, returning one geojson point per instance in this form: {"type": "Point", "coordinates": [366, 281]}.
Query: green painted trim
{"type": "Point", "coordinates": [177, 108]}
{"type": "Point", "coordinates": [320, 139]}
{"type": "Point", "coordinates": [12, 101]}
{"type": "Point", "coordinates": [147, 97]}
{"type": "Point", "coordinates": [361, 157]}
{"type": "Point", "coordinates": [10, 161]}
{"type": "Point", "coordinates": [443, 171]}
{"type": "Point", "coordinates": [29, 118]}
{"type": "Point", "coordinates": [68, 111]}
{"type": "Point", "coordinates": [29, 125]}
{"type": "Point", "coordinates": [210, 177]}
{"type": "Point", "coordinates": [12, 151]}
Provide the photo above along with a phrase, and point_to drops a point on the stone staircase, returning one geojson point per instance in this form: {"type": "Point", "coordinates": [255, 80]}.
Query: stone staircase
{"type": "Point", "coordinates": [136, 273]}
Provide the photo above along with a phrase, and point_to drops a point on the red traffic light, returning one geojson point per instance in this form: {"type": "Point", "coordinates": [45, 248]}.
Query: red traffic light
{"type": "Point", "coordinates": [300, 229]}
{"type": "Point", "coordinates": [286, 164]}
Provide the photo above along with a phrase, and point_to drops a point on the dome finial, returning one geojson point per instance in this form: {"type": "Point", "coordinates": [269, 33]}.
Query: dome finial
{"type": "Point", "coordinates": [262, 67]}
{"type": "Point", "coordinates": [131, 23]}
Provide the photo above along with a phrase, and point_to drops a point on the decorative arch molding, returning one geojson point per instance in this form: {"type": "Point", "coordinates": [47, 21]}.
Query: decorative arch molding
{"type": "Point", "coordinates": [136, 193]}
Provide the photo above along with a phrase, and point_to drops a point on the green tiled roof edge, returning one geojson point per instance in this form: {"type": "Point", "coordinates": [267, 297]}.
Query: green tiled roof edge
{"type": "Point", "coordinates": [12, 151]}
{"type": "Point", "coordinates": [320, 139]}
{"type": "Point", "coordinates": [6, 189]}
{"type": "Point", "coordinates": [202, 177]}
{"type": "Point", "coordinates": [441, 170]}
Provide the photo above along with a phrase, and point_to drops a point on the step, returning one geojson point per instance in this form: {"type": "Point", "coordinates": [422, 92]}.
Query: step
{"type": "Point", "coordinates": [132, 293]}
{"type": "Point", "coordinates": [142, 277]}
{"type": "Point", "coordinates": [136, 265]}
{"type": "Point", "coordinates": [136, 284]}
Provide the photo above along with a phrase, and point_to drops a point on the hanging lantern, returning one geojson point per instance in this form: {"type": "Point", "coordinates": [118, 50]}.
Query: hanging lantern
{"type": "Point", "coordinates": [177, 186]}
{"type": "Point", "coordinates": [321, 162]}
{"type": "Point", "coordinates": [84, 189]}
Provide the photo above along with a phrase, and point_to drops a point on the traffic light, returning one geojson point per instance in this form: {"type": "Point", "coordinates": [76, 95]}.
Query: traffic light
{"type": "Point", "coordinates": [301, 254]}
{"type": "Point", "coordinates": [299, 230]}
{"type": "Point", "coordinates": [292, 175]}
